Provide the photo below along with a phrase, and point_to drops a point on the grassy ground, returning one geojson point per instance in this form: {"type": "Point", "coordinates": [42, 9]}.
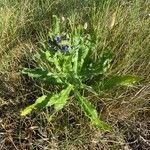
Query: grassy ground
{"type": "Point", "coordinates": [123, 27]}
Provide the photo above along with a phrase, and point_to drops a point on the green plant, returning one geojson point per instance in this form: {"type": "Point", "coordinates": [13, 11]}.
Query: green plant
{"type": "Point", "coordinates": [68, 64]}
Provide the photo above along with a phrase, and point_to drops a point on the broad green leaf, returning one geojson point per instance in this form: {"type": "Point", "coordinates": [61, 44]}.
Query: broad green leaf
{"type": "Point", "coordinates": [35, 73]}
{"type": "Point", "coordinates": [86, 46]}
{"type": "Point", "coordinates": [77, 43]}
{"type": "Point", "coordinates": [44, 56]}
{"type": "Point", "coordinates": [67, 64]}
{"type": "Point", "coordinates": [52, 60]}
{"type": "Point", "coordinates": [74, 80]}
{"type": "Point", "coordinates": [83, 53]}
{"type": "Point", "coordinates": [43, 75]}
{"type": "Point", "coordinates": [59, 100]}
{"type": "Point", "coordinates": [27, 110]}
{"type": "Point", "coordinates": [125, 80]}
{"type": "Point", "coordinates": [75, 61]}
{"type": "Point", "coordinates": [91, 113]}
{"type": "Point", "coordinates": [97, 68]}
{"type": "Point", "coordinates": [104, 61]}
{"type": "Point", "coordinates": [56, 61]}
{"type": "Point", "coordinates": [39, 103]}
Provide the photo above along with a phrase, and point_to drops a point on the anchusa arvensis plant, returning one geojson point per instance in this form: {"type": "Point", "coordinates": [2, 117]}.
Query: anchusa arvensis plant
{"type": "Point", "coordinates": [66, 63]}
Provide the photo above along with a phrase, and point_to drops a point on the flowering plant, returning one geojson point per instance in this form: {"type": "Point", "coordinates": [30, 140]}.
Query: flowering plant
{"type": "Point", "coordinates": [67, 63]}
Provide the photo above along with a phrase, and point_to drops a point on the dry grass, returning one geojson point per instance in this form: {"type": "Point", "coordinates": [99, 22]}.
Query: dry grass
{"type": "Point", "coordinates": [122, 27]}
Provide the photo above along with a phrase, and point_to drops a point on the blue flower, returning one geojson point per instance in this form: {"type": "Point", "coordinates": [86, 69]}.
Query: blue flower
{"type": "Point", "coordinates": [55, 49]}
{"type": "Point", "coordinates": [50, 42]}
{"type": "Point", "coordinates": [64, 49]}
{"type": "Point", "coordinates": [55, 44]}
{"type": "Point", "coordinates": [58, 39]}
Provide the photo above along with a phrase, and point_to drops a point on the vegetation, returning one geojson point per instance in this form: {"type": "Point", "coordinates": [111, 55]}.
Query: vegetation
{"type": "Point", "coordinates": [86, 59]}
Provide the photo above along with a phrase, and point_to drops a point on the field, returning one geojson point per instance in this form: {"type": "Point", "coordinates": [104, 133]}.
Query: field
{"type": "Point", "coordinates": [119, 26]}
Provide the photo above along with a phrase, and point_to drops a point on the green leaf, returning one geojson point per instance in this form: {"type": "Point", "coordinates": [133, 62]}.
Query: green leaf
{"type": "Point", "coordinates": [56, 61]}
{"type": "Point", "coordinates": [59, 100]}
{"type": "Point", "coordinates": [91, 113]}
{"type": "Point", "coordinates": [67, 64]}
{"type": "Point", "coordinates": [53, 60]}
{"type": "Point", "coordinates": [125, 80]}
{"type": "Point", "coordinates": [39, 103]}
{"type": "Point", "coordinates": [85, 47]}
{"type": "Point", "coordinates": [35, 73]}
{"type": "Point", "coordinates": [43, 75]}
{"type": "Point", "coordinates": [103, 64]}
{"type": "Point", "coordinates": [56, 25]}
{"type": "Point", "coordinates": [44, 56]}
{"type": "Point", "coordinates": [100, 67]}
{"type": "Point", "coordinates": [90, 89]}
{"type": "Point", "coordinates": [75, 61]}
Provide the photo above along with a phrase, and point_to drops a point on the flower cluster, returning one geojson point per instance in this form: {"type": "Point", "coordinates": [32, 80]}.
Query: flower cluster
{"type": "Point", "coordinates": [57, 44]}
